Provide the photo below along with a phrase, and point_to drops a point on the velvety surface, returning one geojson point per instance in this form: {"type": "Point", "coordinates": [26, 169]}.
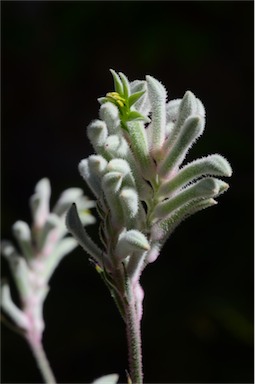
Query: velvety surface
{"type": "Point", "coordinates": [198, 308]}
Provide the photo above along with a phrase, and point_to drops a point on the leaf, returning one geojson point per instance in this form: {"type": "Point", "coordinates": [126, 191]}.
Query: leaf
{"type": "Point", "coordinates": [134, 97]}
{"type": "Point", "coordinates": [125, 84]}
{"type": "Point", "coordinates": [117, 82]}
{"type": "Point", "coordinates": [134, 115]}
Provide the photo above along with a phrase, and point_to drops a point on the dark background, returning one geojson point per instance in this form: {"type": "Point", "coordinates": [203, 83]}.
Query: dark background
{"type": "Point", "coordinates": [198, 308]}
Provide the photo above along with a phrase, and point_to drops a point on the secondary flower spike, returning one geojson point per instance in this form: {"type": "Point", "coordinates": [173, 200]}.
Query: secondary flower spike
{"type": "Point", "coordinates": [144, 190]}
{"type": "Point", "coordinates": [41, 249]}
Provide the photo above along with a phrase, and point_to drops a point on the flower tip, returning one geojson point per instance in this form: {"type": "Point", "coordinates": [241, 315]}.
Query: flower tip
{"type": "Point", "coordinates": [43, 187]}
{"type": "Point", "coordinates": [223, 187]}
{"type": "Point", "coordinates": [228, 169]}
{"type": "Point", "coordinates": [147, 247]}
{"type": "Point", "coordinates": [212, 202]}
{"type": "Point", "coordinates": [21, 229]}
{"type": "Point", "coordinates": [219, 187]}
{"type": "Point", "coordinates": [189, 94]}
{"type": "Point", "coordinates": [196, 118]}
{"type": "Point", "coordinates": [7, 248]}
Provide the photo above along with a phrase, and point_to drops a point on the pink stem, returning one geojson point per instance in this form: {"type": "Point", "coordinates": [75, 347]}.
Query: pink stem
{"type": "Point", "coordinates": [134, 340]}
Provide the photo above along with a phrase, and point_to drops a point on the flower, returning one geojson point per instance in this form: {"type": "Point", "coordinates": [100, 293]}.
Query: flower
{"type": "Point", "coordinates": [42, 247]}
{"type": "Point", "coordinates": [137, 175]}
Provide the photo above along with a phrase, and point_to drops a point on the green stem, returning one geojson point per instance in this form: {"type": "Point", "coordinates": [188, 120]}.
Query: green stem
{"type": "Point", "coordinates": [42, 362]}
{"type": "Point", "coordinates": [134, 340]}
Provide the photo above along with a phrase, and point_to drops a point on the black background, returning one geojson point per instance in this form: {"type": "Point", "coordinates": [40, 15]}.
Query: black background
{"type": "Point", "coordinates": [198, 307]}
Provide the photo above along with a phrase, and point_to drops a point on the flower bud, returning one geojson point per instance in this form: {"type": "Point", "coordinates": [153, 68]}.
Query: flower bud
{"type": "Point", "coordinates": [157, 97]}
{"type": "Point", "coordinates": [91, 178]}
{"type": "Point", "coordinates": [97, 133]}
{"type": "Point", "coordinates": [172, 110]}
{"type": "Point", "coordinates": [19, 318]}
{"type": "Point", "coordinates": [122, 166]}
{"type": "Point", "coordinates": [140, 148]}
{"type": "Point", "coordinates": [191, 130]}
{"type": "Point", "coordinates": [117, 146]}
{"type": "Point", "coordinates": [111, 184]}
{"type": "Point", "coordinates": [18, 268]}
{"type": "Point", "coordinates": [49, 234]}
{"type": "Point", "coordinates": [66, 198]}
{"type": "Point", "coordinates": [22, 233]}
{"type": "Point", "coordinates": [109, 113]}
{"type": "Point", "coordinates": [202, 189]}
{"type": "Point", "coordinates": [129, 201]}
{"type": "Point", "coordinates": [213, 165]}
{"type": "Point", "coordinates": [131, 241]}
{"type": "Point", "coordinates": [97, 164]}
{"type": "Point", "coordinates": [188, 107]}
{"type": "Point", "coordinates": [39, 202]}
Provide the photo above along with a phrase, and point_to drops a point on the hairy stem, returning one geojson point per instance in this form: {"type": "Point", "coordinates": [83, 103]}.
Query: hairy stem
{"type": "Point", "coordinates": [134, 340]}
{"type": "Point", "coordinates": [42, 362]}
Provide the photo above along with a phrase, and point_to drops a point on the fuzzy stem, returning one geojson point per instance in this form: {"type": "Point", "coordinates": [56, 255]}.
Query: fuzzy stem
{"type": "Point", "coordinates": [42, 362]}
{"type": "Point", "coordinates": [134, 340]}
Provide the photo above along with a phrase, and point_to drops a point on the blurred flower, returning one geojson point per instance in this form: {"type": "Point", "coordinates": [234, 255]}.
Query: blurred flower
{"type": "Point", "coordinates": [41, 248]}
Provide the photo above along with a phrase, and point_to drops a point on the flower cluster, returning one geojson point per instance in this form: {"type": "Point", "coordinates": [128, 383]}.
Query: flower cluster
{"type": "Point", "coordinates": [41, 249]}
{"type": "Point", "coordinates": [137, 175]}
